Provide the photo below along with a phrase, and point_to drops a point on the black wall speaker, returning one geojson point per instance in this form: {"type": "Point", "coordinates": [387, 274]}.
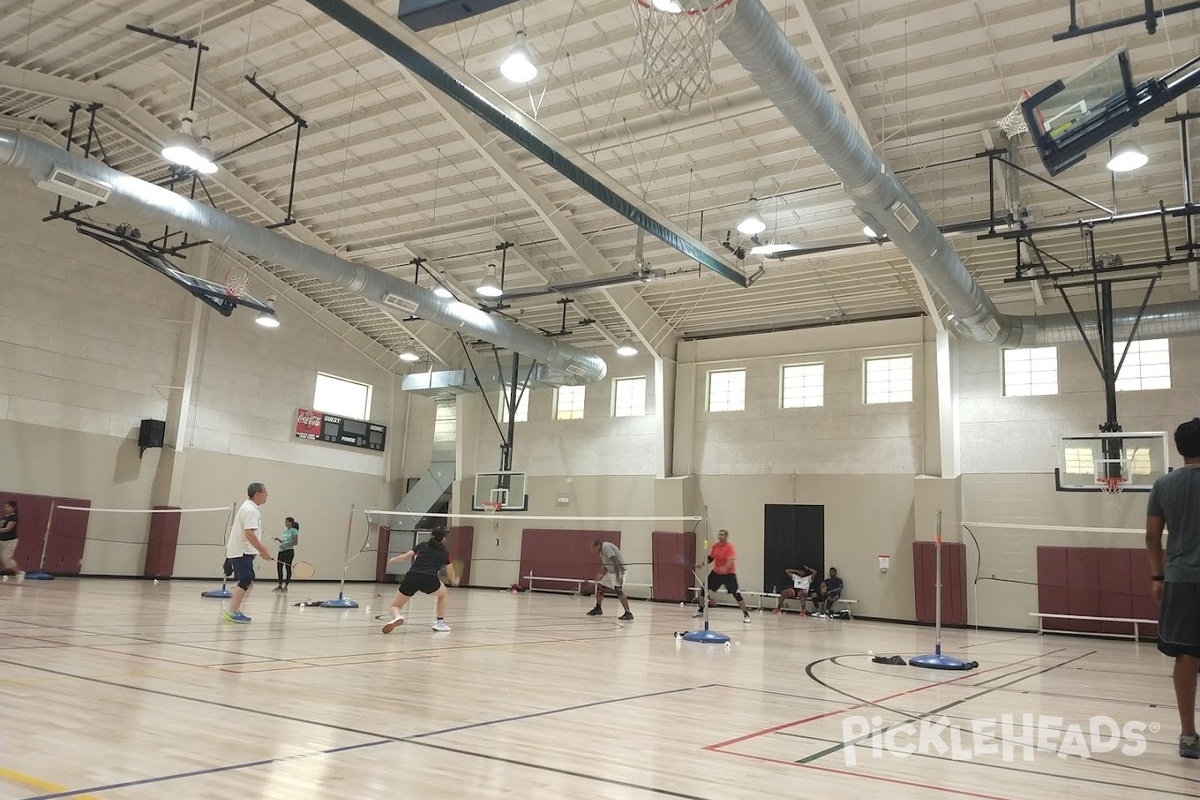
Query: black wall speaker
{"type": "Point", "coordinates": [151, 434]}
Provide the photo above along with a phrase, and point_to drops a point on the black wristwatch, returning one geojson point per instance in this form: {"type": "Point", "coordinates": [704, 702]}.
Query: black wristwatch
{"type": "Point", "coordinates": [1158, 578]}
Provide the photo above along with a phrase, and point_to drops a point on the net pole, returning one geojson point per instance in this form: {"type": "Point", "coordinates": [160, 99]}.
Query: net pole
{"type": "Point", "coordinates": [342, 601]}
{"type": "Point", "coordinates": [40, 574]}
{"type": "Point", "coordinates": [223, 593]}
{"type": "Point", "coordinates": [705, 635]}
{"type": "Point", "coordinates": [937, 571]}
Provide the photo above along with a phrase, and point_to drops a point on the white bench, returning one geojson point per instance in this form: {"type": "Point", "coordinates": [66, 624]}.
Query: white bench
{"type": "Point", "coordinates": [578, 585]}
{"type": "Point", "coordinates": [717, 598]}
{"type": "Point", "coordinates": [1135, 622]}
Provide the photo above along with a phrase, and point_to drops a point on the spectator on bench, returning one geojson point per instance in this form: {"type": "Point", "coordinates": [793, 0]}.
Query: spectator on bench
{"type": "Point", "coordinates": [801, 584]}
{"type": "Point", "coordinates": [827, 593]}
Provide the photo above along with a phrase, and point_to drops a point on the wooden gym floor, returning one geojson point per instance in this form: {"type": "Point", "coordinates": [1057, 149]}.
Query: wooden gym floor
{"type": "Point", "coordinates": [130, 690]}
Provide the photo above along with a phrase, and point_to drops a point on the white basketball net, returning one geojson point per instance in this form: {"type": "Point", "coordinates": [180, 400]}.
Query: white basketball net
{"type": "Point", "coordinates": [237, 280]}
{"type": "Point", "coordinates": [1013, 123]}
{"type": "Point", "coordinates": [677, 41]}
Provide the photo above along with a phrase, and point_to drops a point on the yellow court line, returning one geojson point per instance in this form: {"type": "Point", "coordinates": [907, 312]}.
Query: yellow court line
{"type": "Point", "coordinates": [38, 783]}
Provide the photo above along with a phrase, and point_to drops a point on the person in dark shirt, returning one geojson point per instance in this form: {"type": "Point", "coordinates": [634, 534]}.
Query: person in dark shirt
{"type": "Point", "coordinates": [428, 560]}
{"type": "Point", "coordinates": [827, 593]}
{"type": "Point", "coordinates": [8, 541]}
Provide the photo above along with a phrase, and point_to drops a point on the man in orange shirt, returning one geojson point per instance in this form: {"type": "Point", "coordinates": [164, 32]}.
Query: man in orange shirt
{"type": "Point", "coordinates": [724, 574]}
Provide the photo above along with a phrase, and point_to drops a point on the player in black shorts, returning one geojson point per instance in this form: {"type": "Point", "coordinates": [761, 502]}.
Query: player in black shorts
{"type": "Point", "coordinates": [429, 558]}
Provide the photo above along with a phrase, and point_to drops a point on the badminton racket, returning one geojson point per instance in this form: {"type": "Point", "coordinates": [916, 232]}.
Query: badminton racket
{"type": "Point", "coordinates": [302, 570]}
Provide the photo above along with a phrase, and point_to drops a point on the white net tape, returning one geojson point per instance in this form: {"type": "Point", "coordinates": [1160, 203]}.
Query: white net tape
{"type": "Point", "coordinates": [677, 41]}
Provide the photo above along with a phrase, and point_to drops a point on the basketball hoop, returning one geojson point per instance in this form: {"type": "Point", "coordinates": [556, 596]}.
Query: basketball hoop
{"type": "Point", "coordinates": [490, 507]}
{"type": "Point", "coordinates": [677, 41]}
{"type": "Point", "coordinates": [1111, 486]}
{"type": "Point", "coordinates": [237, 281]}
{"type": "Point", "coordinates": [1013, 123]}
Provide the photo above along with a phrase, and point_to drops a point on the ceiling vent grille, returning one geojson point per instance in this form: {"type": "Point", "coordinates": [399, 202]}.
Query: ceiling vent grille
{"type": "Point", "coordinates": [76, 187]}
{"type": "Point", "coordinates": [392, 300]}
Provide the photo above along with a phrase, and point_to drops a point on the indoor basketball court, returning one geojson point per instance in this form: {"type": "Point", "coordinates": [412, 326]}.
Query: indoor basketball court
{"type": "Point", "coordinates": [621, 398]}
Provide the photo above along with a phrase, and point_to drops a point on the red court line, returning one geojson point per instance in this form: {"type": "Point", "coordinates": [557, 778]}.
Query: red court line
{"type": "Point", "coordinates": [867, 776]}
{"type": "Point", "coordinates": [837, 711]}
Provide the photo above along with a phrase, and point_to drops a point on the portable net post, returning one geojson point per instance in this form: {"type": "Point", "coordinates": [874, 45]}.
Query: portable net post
{"type": "Point", "coordinates": [341, 601]}
{"type": "Point", "coordinates": [223, 593]}
{"type": "Point", "coordinates": [936, 660]}
{"type": "Point", "coordinates": [677, 39]}
{"type": "Point", "coordinates": [40, 573]}
{"type": "Point", "coordinates": [705, 635]}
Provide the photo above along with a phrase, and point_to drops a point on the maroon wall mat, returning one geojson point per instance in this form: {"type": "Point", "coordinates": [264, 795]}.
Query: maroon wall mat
{"type": "Point", "coordinates": [562, 553]}
{"type": "Point", "coordinates": [461, 541]}
{"type": "Point", "coordinates": [954, 583]}
{"type": "Point", "coordinates": [162, 538]}
{"type": "Point", "coordinates": [1095, 582]}
{"type": "Point", "coordinates": [65, 551]}
{"type": "Point", "coordinates": [673, 555]}
{"type": "Point", "coordinates": [381, 556]}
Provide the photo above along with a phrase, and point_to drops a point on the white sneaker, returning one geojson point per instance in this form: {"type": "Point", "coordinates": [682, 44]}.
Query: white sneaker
{"type": "Point", "coordinates": [395, 623]}
{"type": "Point", "coordinates": [746, 618]}
{"type": "Point", "coordinates": [20, 577]}
{"type": "Point", "coordinates": [441, 627]}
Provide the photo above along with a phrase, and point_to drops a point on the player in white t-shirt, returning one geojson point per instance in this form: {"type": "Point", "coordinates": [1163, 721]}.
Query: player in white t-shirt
{"type": "Point", "coordinates": [801, 586]}
{"type": "Point", "coordinates": [243, 543]}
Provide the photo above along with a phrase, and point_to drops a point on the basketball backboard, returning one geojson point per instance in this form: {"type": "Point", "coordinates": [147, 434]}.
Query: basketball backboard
{"type": "Point", "coordinates": [505, 488]}
{"type": "Point", "coordinates": [1087, 461]}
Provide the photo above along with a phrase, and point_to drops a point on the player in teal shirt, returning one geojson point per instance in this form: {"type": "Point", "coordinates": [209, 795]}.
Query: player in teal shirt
{"type": "Point", "coordinates": [287, 552]}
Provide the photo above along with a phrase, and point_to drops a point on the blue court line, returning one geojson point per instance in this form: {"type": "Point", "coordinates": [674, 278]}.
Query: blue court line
{"type": "Point", "coordinates": [211, 770]}
{"type": "Point", "coordinates": [535, 714]}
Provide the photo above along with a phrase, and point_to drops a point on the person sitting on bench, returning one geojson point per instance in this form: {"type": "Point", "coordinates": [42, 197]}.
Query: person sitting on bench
{"type": "Point", "coordinates": [801, 583]}
{"type": "Point", "coordinates": [827, 593]}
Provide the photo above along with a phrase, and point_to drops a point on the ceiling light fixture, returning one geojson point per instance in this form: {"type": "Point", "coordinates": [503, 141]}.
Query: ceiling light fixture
{"type": "Point", "coordinates": [489, 286]}
{"type": "Point", "coordinates": [869, 232]}
{"type": "Point", "coordinates": [751, 222]}
{"type": "Point", "coordinates": [442, 291]}
{"type": "Point", "coordinates": [182, 148]}
{"type": "Point", "coordinates": [668, 6]}
{"type": "Point", "coordinates": [265, 318]}
{"type": "Point", "coordinates": [1127, 157]}
{"type": "Point", "coordinates": [626, 347]}
{"type": "Point", "coordinates": [409, 356]}
{"type": "Point", "coordinates": [518, 65]}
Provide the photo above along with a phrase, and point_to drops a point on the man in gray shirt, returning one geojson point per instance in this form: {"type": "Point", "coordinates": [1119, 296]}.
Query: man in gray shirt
{"type": "Point", "coordinates": [1175, 505]}
{"type": "Point", "coordinates": [612, 578]}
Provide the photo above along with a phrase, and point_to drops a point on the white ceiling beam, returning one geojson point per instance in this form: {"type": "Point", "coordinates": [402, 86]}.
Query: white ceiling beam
{"type": "Point", "coordinates": [580, 305]}
{"type": "Point", "coordinates": [115, 100]}
{"type": "Point", "coordinates": [185, 70]}
{"type": "Point", "coordinates": [930, 305]}
{"type": "Point", "coordinates": [644, 322]}
{"type": "Point", "coordinates": [838, 77]}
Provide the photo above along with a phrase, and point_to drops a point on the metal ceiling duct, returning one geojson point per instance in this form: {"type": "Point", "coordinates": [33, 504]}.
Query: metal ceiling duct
{"type": "Point", "coordinates": [758, 44]}
{"type": "Point", "coordinates": [393, 294]}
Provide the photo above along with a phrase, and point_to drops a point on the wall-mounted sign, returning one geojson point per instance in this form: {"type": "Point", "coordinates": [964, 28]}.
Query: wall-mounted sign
{"type": "Point", "coordinates": [317, 426]}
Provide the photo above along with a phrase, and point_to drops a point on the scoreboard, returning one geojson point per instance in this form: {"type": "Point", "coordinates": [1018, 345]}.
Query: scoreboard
{"type": "Point", "coordinates": [321, 427]}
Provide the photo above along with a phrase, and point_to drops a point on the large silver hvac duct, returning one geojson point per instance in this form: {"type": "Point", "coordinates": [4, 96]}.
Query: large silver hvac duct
{"type": "Point", "coordinates": [38, 159]}
{"type": "Point", "coordinates": [758, 44]}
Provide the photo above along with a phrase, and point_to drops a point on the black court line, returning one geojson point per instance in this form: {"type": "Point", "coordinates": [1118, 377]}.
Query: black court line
{"type": "Point", "coordinates": [558, 771]}
{"type": "Point", "coordinates": [1098, 782]}
{"type": "Point", "coordinates": [208, 771]}
{"type": "Point", "coordinates": [917, 717]}
{"type": "Point", "coordinates": [417, 739]}
{"type": "Point", "coordinates": [471, 725]}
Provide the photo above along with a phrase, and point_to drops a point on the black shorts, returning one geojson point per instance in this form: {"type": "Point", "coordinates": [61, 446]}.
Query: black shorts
{"type": "Point", "coordinates": [286, 556]}
{"type": "Point", "coordinates": [416, 582]}
{"type": "Point", "coordinates": [243, 567]}
{"type": "Point", "coordinates": [729, 582]}
{"type": "Point", "coordinates": [1179, 620]}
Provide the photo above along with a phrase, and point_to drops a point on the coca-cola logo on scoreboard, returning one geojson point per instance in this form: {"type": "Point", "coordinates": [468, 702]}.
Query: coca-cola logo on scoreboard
{"type": "Point", "coordinates": [308, 424]}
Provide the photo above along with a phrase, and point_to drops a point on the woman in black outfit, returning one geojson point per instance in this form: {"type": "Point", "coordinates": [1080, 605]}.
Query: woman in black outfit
{"type": "Point", "coordinates": [429, 558]}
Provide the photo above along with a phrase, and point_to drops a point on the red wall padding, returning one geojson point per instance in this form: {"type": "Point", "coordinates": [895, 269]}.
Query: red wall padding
{"type": "Point", "coordinates": [162, 539]}
{"type": "Point", "coordinates": [461, 541]}
{"type": "Point", "coordinates": [1095, 582]}
{"type": "Point", "coordinates": [562, 553]}
{"type": "Point", "coordinates": [673, 555]}
{"type": "Point", "coordinates": [64, 554]}
{"type": "Point", "coordinates": [954, 582]}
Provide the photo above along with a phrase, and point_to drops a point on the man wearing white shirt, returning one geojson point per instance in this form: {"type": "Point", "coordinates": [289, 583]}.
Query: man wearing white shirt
{"type": "Point", "coordinates": [244, 542]}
